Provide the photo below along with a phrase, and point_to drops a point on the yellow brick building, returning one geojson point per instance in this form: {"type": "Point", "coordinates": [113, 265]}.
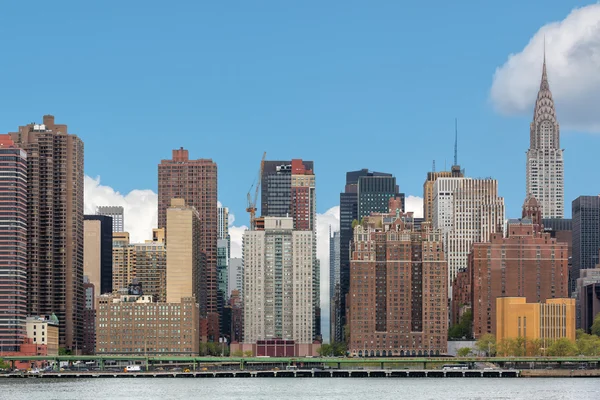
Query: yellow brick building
{"type": "Point", "coordinates": [548, 321]}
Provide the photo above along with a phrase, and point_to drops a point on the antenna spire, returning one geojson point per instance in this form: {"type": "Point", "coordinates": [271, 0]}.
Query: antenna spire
{"type": "Point", "coordinates": [455, 141]}
{"type": "Point", "coordinates": [433, 169]}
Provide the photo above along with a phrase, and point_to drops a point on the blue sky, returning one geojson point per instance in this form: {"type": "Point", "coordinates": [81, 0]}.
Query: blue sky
{"type": "Point", "coordinates": [347, 84]}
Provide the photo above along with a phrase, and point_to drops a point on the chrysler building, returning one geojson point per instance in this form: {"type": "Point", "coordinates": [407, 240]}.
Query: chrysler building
{"type": "Point", "coordinates": [545, 169]}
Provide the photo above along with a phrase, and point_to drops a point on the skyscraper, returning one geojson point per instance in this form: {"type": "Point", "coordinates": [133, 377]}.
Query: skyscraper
{"type": "Point", "coordinates": [545, 168]}
{"type": "Point", "coordinates": [13, 242]}
{"type": "Point", "coordinates": [288, 189]}
{"type": "Point", "coordinates": [184, 278]}
{"type": "Point", "coordinates": [374, 191]}
{"type": "Point", "coordinates": [586, 234]}
{"type": "Point", "coordinates": [467, 211]}
{"type": "Point", "coordinates": [222, 281]}
{"type": "Point", "coordinates": [116, 213]}
{"type": "Point", "coordinates": [428, 190]}
{"type": "Point", "coordinates": [55, 225]}
{"type": "Point", "coordinates": [398, 288]}
{"type": "Point", "coordinates": [97, 255]}
{"type": "Point", "coordinates": [278, 279]}
{"type": "Point", "coordinates": [349, 213]}
{"type": "Point", "coordinates": [195, 181]}
{"type": "Point", "coordinates": [334, 286]}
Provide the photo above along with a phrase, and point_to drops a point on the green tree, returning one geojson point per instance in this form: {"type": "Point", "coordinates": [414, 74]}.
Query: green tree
{"type": "Point", "coordinates": [487, 344]}
{"type": "Point", "coordinates": [63, 352]}
{"type": "Point", "coordinates": [464, 352]}
{"type": "Point", "coordinates": [339, 349]}
{"type": "Point", "coordinates": [587, 345]}
{"type": "Point", "coordinates": [354, 223]}
{"type": "Point", "coordinates": [237, 353]}
{"type": "Point", "coordinates": [562, 347]}
{"type": "Point", "coordinates": [4, 365]}
{"type": "Point", "coordinates": [464, 328]}
{"type": "Point", "coordinates": [596, 325]}
{"type": "Point", "coordinates": [505, 347]}
{"type": "Point", "coordinates": [248, 353]}
{"type": "Point", "coordinates": [325, 350]}
{"type": "Point", "coordinates": [534, 347]}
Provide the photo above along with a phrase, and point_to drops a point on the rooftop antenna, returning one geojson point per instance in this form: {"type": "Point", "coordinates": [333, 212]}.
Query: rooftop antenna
{"type": "Point", "coordinates": [433, 168]}
{"type": "Point", "coordinates": [455, 141]}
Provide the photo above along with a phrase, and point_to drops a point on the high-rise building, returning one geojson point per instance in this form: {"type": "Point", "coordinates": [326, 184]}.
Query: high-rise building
{"type": "Point", "coordinates": [223, 227]}
{"type": "Point", "coordinates": [526, 263]}
{"type": "Point", "coordinates": [13, 242]}
{"type": "Point", "coordinates": [587, 294]}
{"type": "Point", "coordinates": [278, 279]}
{"type": "Point", "coordinates": [55, 225]}
{"type": "Point", "coordinates": [195, 181]}
{"type": "Point", "coordinates": [374, 191]}
{"type": "Point", "coordinates": [116, 213]}
{"type": "Point", "coordinates": [545, 168]}
{"type": "Point", "coordinates": [429, 192]}
{"type": "Point", "coordinates": [334, 286]}
{"type": "Point", "coordinates": [222, 281]}
{"type": "Point", "coordinates": [123, 261]}
{"type": "Point", "coordinates": [236, 276]}
{"type": "Point", "coordinates": [97, 251]}
{"type": "Point", "coordinates": [288, 189]}
{"type": "Point", "coordinates": [586, 234]}
{"type": "Point", "coordinates": [183, 261]}
{"type": "Point", "coordinates": [150, 266]}
{"type": "Point", "coordinates": [467, 211]}
{"type": "Point", "coordinates": [89, 317]}
{"type": "Point", "coordinates": [348, 214]}
{"type": "Point", "coordinates": [398, 289]}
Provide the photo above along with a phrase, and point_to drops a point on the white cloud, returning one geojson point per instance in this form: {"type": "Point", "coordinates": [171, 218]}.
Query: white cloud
{"type": "Point", "coordinates": [140, 207]}
{"type": "Point", "coordinates": [414, 204]}
{"type": "Point", "coordinates": [573, 62]}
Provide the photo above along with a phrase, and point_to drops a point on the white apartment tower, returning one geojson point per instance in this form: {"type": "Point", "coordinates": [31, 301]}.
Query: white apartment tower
{"type": "Point", "coordinates": [467, 211]}
{"type": "Point", "coordinates": [278, 282]}
{"type": "Point", "coordinates": [117, 214]}
{"type": "Point", "coordinates": [545, 168]}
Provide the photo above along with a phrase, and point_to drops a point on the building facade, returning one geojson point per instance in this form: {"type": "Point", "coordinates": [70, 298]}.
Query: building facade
{"type": "Point", "coordinates": [123, 261]}
{"type": "Point", "coordinates": [335, 323]}
{"type": "Point", "coordinates": [155, 329]}
{"type": "Point", "coordinates": [545, 167]}
{"type": "Point", "coordinates": [586, 234]}
{"type": "Point", "coordinates": [97, 251]}
{"type": "Point", "coordinates": [150, 267]}
{"type": "Point", "coordinates": [516, 318]}
{"type": "Point", "coordinates": [526, 263]}
{"type": "Point", "coordinates": [44, 331]}
{"type": "Point", "coordinates": [195, 181]}
{"type": "Point", "coordinates": [222, 281]}
{"type": "Point", "coordinates": [184, 277]}
{"type": "Point", "coordinates": [428, 191]}
{"type": "Point", "coordinates": [587, 295]}
{"type": "Point", "coordinates": [13, 245]}
{"type": "Point", "coordinates": [117, 214]}
{"type": "Point", "coordinates": [398, 289]}
{"type": "Point", "coordinates": [89, 317]}
{"type": "Point", "coordinates": [348, 214]}
{"type": "Point", "coordinates": [278, 279]}
{"type": "Point", "coordinates": [236, 276]}
{"type": "Point", "coordinates": [476, 213]}
{"type": "Point", "coordinates": [55, 225]}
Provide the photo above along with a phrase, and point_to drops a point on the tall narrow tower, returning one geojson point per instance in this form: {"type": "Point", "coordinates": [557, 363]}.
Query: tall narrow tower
{"type": "Point", "coordinates": [545, 168]}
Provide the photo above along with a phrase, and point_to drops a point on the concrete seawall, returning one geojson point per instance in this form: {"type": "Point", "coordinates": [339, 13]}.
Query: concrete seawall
{"type": "Point", "coordinates": [331, 373]}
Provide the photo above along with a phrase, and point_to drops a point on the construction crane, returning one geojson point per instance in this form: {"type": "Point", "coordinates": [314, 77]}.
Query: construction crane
{"type": "Point", "coordinates": [252, 201]}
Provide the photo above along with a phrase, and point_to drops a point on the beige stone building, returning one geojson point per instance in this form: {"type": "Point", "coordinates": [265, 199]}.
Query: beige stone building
{"type": "Point", "coordinates": [123, 261]}
{"type": "Point", "coordinates": [44, 331]}
{"type": "Point", "coordinates": [183, 230]}
{"type": "Point", "coordinates": [144, 262]}
{"type": "Point", "coordinates": [91, 251]}
{"type": "Point", "coordinates": [428, 191]}
{"type": "Point", "coordinates": [136, 325]}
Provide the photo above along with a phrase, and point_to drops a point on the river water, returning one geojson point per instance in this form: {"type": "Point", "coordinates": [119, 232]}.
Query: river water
{"type": "Point", "coordinates": [302, 388]}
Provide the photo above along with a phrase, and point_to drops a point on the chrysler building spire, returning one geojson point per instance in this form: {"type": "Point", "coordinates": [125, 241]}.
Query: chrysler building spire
{"type": "Point", "coordinates": [545, 169]}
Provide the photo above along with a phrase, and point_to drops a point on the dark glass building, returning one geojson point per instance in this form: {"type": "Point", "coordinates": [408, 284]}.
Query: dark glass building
{"type": "Point", "coordinates": [106, 248]}
{"type": "Point", "coordinates": [586, 234]}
